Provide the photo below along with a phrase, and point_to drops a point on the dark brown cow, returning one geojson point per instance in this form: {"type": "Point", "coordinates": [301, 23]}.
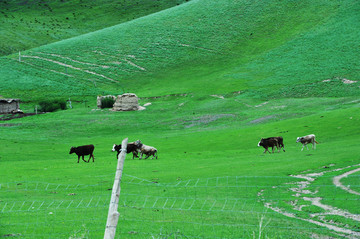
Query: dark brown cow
{"type": "Point", "coordinates": [281, 142]}
{"type": "Point", "coordinates": [130, 148]}
{"type": "Point", "coordinates": [83, 150]}
{"type": "Point", "coordinates": [269, 143]}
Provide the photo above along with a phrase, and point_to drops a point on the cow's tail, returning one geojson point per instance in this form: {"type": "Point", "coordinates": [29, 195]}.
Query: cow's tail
{"type": "Point", "coordinates": [316, 141]}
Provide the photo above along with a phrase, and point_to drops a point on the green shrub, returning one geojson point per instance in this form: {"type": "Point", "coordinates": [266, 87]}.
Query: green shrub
{"type": "Point", "coordinates": [52, 105]}
{"type": "Point", "coordinates": [107, 102]}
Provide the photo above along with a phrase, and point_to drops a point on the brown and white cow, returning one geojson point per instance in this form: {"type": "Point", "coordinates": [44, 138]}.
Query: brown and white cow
{"type": "Point", "coordinates": [147, 150]}
{"type": "Point", "coordinates": [307, 140]}
{"type": "Point", "coordinates": [269, 143]}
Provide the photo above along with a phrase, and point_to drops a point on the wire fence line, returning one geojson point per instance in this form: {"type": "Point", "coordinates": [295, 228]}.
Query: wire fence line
{"type": "Point", "coordinates": [225, 181]}
{"type": "Point", "coordinates": [217, 207]}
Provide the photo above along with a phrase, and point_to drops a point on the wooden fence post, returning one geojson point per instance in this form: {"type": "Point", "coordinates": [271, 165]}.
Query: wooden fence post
{"type": "Point", "coordinates": [113, 215]}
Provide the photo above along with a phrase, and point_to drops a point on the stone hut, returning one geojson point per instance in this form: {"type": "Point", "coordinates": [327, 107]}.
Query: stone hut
{"type": "Point", "coordinates": [8, 106]}
{"type": "Point", "coordinates": [126, 102]}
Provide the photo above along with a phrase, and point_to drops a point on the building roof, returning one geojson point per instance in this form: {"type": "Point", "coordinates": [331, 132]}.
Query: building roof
{"type": "Point", "coordinates": [8, 100]}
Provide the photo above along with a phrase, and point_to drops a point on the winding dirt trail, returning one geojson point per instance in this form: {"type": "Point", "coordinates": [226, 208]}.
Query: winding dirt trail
{"type": "Point", "coordinates": [69, 66]}
{"type": "Point", "coordinates": [303, 194]}
{"type": "Point", "coordinates": [336, 181]}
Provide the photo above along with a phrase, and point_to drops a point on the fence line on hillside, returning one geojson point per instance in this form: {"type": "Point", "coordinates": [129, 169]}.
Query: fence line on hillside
{"type": "Point", "coordinates": [216, 207]}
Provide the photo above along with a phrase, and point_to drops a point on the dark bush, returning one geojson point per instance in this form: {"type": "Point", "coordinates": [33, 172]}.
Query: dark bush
{"type": "Point", "coordinates": [107, 102]}
{"type": "Point", "coordinates": [52, 105]}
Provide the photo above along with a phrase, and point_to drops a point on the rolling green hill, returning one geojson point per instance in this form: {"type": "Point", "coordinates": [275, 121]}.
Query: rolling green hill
{"type": "Point", "coordinates": [219, 75]}
{"type": "Point", "coordinates": [27, 24]}
{"type": "Point", "coordinates": [267, 49]}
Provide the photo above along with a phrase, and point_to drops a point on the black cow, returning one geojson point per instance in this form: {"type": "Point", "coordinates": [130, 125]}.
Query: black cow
{"type": "Point", "coordinates": [83, 150]}
{"type": "Point", "coordinates": [269, 143]}
{"type": "Point", "coordinates": [130, 148]}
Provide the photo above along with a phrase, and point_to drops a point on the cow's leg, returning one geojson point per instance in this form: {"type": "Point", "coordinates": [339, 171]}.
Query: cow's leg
{"type": "Point", "coordinates": [91, 155]}
{"type": "Point", "coordinates": [303, 147]}
{"type": "Point", "coordinates": [147, 156]}
{"type": "Point", "coordinates": [78, 158]}
{"type": "Point", "coordinates": [84, 159]}
{"type": "Point", "coordinates": [141, 155]}
{"type": "Point", "coordinates": [135, 154]}
{"type": "Point", "coordinates": [307, 147]}
{"type": "Point", "coordinates": [267, 149]}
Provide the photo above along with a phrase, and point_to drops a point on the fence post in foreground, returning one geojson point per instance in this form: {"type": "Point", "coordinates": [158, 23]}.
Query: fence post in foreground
{"type": "Point", "coordinates": [113, 215]}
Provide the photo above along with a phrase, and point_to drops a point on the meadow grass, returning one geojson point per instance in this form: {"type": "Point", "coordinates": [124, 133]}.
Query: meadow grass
{"type": "Point", "coordinates": [219, 75]}
{"type": "Point", "coordinates": [205, 183]}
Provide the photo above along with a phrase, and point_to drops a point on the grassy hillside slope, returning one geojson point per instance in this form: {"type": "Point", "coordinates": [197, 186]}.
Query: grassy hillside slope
{"type": "Point", "coordinates": [263, 49]}
{"type": "Point", "coordinates": [219, 75]}
{"type": "Point", "coordinates": [28, 24]}
{"type": "Point", "coordinates": [210, 179]}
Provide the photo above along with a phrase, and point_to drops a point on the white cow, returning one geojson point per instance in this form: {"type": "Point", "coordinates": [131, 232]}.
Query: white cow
{"type": "Point", "coordinates": [147, 150]}
{"type": "Point", "coordinates": [307, 140]}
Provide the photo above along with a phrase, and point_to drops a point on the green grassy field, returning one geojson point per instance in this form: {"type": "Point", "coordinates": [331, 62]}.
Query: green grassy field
{"type": "Point", "coordinates": [27, 25]}
{"type": "Point", "coordinates": [219, 75]}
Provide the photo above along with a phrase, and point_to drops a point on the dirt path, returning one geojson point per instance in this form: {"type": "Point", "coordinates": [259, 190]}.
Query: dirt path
{"type": "Point", "coordinates": [336, 181]}
{"type": "Point", "coordinates": [304, 194]}
{"type": "Point", "coordinates": [69, 66]}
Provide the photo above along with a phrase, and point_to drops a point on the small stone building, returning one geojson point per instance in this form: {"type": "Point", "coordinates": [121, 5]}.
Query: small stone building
{"type": "Point", "coordinates": [8, 106]}
{"type": "Point", "coordinates": [126, 102]}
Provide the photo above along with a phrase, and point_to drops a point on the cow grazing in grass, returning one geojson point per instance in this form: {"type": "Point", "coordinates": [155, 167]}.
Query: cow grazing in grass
{"type": "Point", "coordinates": [308, 139]}
{"type": "Point", "coordinates": [269, 143]}
{"type": "Point", "coordinates": [130, 148]}
{"type": "Point", "coordinates": [281, 143]}
{"type": "Point", "coordinates": [147, 150]}
{"type": "Point", "coordinates": [82, 151]}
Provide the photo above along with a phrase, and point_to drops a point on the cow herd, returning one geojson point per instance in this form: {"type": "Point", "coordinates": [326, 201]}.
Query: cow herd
{"type": "Point", "coordinates": [278, 142]}
{"type": "Point", "coordinates": [137, 147]}
{"type": "Point", "coordinates": [134, 147]}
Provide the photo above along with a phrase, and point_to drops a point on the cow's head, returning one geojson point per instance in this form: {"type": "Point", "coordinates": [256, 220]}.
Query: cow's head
{"type": "Point", "coordinates": [260, 142]}
{"type": "Point", "coordinates": [113, 149]}
{"type": "Point", "coordinates": [138, 143]}
{"type": "Point", "coordinates": [298, 139]}
{"type": "Point", "coordinates": [72, 150]}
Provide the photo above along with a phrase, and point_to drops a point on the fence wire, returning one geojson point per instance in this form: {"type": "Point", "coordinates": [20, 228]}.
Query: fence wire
{"type": "Point", "coordinates": [218, 207]}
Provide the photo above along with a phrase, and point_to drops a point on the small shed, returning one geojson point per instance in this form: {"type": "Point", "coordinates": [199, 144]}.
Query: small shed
{"type": "Point", "coordinates": [9, 106]}
{"type": "Point", "coordinates": [126, 102]}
